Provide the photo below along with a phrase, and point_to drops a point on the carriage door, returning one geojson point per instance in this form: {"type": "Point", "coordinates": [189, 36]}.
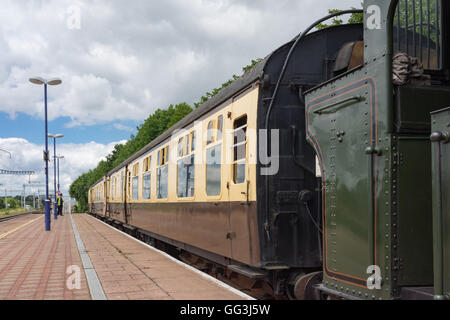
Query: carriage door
{"type": "Point", "coordinates": [239, 184]}
{"type": "Point", "coordinates": [105, 196]}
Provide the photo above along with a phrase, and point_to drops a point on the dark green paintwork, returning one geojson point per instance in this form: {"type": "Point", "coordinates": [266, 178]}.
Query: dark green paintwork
{"type": "Point", "coordinates": [350, 210]}
{"type": "Point", "coordinates": [415, 241]}
{"type": "Point", "coordinates": [377, 184]}
{"type": "Point", "coordinates": [441, 198]}
{"type": "Point", "coordinates": [414, 105]}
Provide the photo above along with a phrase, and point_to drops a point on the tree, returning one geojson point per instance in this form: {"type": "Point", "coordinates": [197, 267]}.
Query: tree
{"type": "Point", "coordinates": [354, 18]}
{"type": "Point", "coordinates": [156, 124]}
{"type": "Point", "coordinates": [215, 91]}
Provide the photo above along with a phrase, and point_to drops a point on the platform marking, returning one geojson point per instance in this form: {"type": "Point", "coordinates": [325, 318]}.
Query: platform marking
{"type": "Point", "coordinates": [94, 284]}
{"type": "Point", "coordinates": [186, 266]}
{"type": "Point", "coordinates": [18, 228]}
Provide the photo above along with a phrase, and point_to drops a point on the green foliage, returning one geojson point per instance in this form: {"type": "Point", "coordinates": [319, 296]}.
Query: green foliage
{"type": "Point", "coordinates": [354, 18]}
{"type": "Point", "coordinates": [13, 203]}
{"type": "Point", "coordinates": [215, 91]}
{"type": "Point", "coordinates": [155, 125]}
{"type": "Point", "coordinates": [405, 16]}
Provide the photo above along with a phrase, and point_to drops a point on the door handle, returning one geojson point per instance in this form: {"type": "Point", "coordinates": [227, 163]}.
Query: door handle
{"type": "Point", "coordinates": [247, 193]}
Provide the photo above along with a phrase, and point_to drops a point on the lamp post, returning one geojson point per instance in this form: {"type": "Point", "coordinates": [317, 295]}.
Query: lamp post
{"type": "Point", "coordinates": [51, 82]}
{"type": "Point", "coordinates": [55, 136]}
{"type": "Point", "coordinates": [59, 158]}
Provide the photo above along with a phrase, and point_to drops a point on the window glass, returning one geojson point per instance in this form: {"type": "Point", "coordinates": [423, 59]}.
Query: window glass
{"type": "Point", "coordinates": [163, 181]}
{"type": "Point", "coordinates": [147, 164]}
{"type": "Point", "coordinates": [180, 147]}
{"type": "Point", "coordinates": [240, 150]}
{"type": "Point", "coordinates": [213, 170]}
{"type": "Point", "coordinates": [193, 140]}
{"type": "Point", "coordinates": [135, 188]}
{"type": "Point", "coordinates": [186, 177]}
{"type": "Point", "coordinates": [167, 155]}
{"type": "Point", "coordinates": [210, 133]}
{"type": "Point", "coordinates": [219, 128]}
{"type": "Point", "coordinates": [147, 186]}
{"type": "Point", "coordinates": [186, 149]}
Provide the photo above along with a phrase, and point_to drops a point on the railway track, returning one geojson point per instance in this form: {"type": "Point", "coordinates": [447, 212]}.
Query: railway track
{"type": "Point", "coordinates": [13, 216]}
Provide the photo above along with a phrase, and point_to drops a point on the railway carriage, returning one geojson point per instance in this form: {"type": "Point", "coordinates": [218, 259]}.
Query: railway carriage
{"type": "Point", "coordinates": [205, 185]}
{"type": "Point", "coordinates": [350, 199]}
{"type": "Point", "coordinates": [96, 198]}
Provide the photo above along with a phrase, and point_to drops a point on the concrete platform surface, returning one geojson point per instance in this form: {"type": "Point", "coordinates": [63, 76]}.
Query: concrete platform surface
{"type": "Point", "coordinates": [33, 263]}
{"type": "Point", "coordinates": [82, 258]}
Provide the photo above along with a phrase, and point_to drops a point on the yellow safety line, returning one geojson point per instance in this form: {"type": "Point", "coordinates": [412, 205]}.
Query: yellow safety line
{"type": "Point", "coordinates": [18, 228]}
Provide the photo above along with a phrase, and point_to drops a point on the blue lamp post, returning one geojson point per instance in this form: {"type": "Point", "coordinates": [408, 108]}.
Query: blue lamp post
{"type": "Point", "coordinates": [51, 82]}
{"type": "Point", "coordinates": [55, 136]}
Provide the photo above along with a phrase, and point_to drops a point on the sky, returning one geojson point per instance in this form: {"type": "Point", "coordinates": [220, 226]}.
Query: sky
{"type": "Point", "coordinates": [120, 61]}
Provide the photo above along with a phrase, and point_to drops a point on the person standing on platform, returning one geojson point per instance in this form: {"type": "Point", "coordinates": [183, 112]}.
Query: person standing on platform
{"type": "Point", "coordinates": [60, 204]}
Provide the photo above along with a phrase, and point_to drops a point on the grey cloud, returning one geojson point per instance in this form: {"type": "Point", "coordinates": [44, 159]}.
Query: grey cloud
{"type": "Point", "coordinates": [131, 57]}
{"type": "Point", "coordinates": [79, 158]}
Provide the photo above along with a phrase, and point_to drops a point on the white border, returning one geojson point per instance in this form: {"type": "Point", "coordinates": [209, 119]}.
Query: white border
{"type": "Point", "coordinates": [94, 284]}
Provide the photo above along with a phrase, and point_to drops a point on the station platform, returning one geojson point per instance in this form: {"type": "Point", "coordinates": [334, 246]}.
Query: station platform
{"type": "Point", "coordinates": [83, 258]}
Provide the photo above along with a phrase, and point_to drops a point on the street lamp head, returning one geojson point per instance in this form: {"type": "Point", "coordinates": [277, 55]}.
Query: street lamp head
{"type": "Point", "coordinates": [41, 81]}
{"type": "Point", "coordinates": [54, 82]}
{"type": "Point", "coordinates": [55, 136]}
{"type": "Point", "coordinates": [37, 80]}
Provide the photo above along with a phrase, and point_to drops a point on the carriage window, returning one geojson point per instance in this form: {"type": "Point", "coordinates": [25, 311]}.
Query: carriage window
{"type": "Point", "coordinates": [210, 132]}
{"type": "Point", "coordinates": [219, 128]}
{"type": "Point", "coordinates": [146, 192]}
{"type": "Point", "coordinates": [418, 31]}
{"type": "Point", "coordinates": [213, 170]}
{"type": "Point", "coordinates": [240, 150]}
{"type": "Point", "coordinates": [163, 182]}
{"type": "Point", "coordinates": [147, 164]}
{"type": "Point", "coordinates": [193, 140]}
{"type": "Point", "coordinates": [180, 147]}
{"type": "Point", "coordinates": [186, 177]}
{"type": "Point", "coordinates": [186, 169]}
{"type": "Point", "coordinates": [146, 184]}
{"type": "Point", "coordinates": [163, 156]}
{"type": "Point", "coordinates": [163, 174]}
{"type": "Point", "coordinates": [136, 182]}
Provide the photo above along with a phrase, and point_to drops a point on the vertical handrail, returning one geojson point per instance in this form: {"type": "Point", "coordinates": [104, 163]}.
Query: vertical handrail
{"type": "Point", "coordinates": [372, 151]}
{"type": "Point", "coordinates": [436, 139]}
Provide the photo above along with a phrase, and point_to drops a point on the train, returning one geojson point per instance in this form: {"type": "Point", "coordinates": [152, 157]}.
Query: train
{"type": "Point", "coordinates": [312, 176]}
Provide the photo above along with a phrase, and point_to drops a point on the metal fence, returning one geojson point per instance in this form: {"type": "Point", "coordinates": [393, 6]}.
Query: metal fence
{"type": "Point", "coordinates": [417, 31]}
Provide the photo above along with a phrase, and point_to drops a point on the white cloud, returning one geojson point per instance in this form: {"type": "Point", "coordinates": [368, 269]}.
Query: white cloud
{"type": "Point", "coordinates": [122, 127]}
{"type": "Point", "coordinates": [79, 158]}
{"type": "Point", "coordinates": [131, 57]}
